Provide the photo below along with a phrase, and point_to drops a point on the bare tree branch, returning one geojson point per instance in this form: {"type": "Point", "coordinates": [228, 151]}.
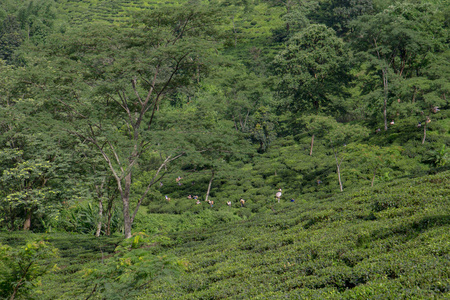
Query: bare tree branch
{"type": "Point", "coordinates": [74, 110]}
{"type": "Point", "coordinates": [177, 66]}
{"type": "Point", "coordinates": [154, 179]}
{"type": "Point", "coordinates": [105, 156]}
{"type": "Point", "coordinates": [133, 84]}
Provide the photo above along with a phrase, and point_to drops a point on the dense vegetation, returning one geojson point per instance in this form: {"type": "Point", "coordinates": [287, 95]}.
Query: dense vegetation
{"type": "Point", "coordinates": [131, 130]}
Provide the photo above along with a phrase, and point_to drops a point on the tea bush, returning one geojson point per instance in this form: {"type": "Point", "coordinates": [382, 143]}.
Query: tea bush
{"type": "Point", "coordinates": [386, 242]}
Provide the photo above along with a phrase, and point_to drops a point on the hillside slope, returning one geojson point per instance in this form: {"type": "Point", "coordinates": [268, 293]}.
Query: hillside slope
{"type": "Point", "coordinates": [389, 242]}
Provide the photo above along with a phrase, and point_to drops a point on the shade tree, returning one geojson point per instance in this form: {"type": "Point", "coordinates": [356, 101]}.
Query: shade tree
{"type": "Point", "coordinates": [312, 69]}
{"type": "Point", "coordinates": [25, 191]}
{"type": "Point", "coordinates": [38, 170]}
{"type": "Point", "coordinates": [245, 99]}
{"type": "Point", "coordinates": [337, 14]}
{"type": "Point", "coordinates": [397, 43]}
{"type": "Point", "coordinates": [314, 125]}
{"type": "Point", "coordinates": [24, 21]}
{"type": "Point", "coordinates": [295, 18]}
{"type": "Point", "coordinates": [126, 75]}
{"type": "Point", "coordinates": [10, 37]}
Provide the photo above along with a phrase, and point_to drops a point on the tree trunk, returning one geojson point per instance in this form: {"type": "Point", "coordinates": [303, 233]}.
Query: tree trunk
{"type": "Point", "coordinates": [339, 177]}
{"type": "Point", "coordinates": [312, 144]}
{"type": "Point", "coordinates": [235, 125]}
{"type": "Point", "coordinates": [109, 215]}
{"type": "Point", "coordinates": [99, 190]}
{"type": "Point", "coordinates": [385, 85]}
{"type": "Point", "coordinates": [338, 167]}
{"type": "Point", "coordinates": [126, 206]}
{"type": "Point", "coordinates": [209, 185]}
{"type": "Point", "coordinates": [16, 288]}
{"type": "Point", "coordinates": [12, 218]}
{"type": "Point", "coordinates": [27, 223]}
{"type": "Point", "coordinates": [424, 133]}
{"type": "Point", "coordinates": [108, 224]}
{"type": "Point", "coordinates": [100, 216]}
{"type": "Point", "coordinates": [198, 72]}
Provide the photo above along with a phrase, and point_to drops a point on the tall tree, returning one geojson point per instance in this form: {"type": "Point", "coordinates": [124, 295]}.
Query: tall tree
{"type": "Point", "coordinates": [399, 41]}
{"type": "Point", "coordinates": [22, 21]}
{"type": "Point", "coordinates": [10, 37]}
{"type": "Point", "coordinates": [312, 69]}
{"type": "Point", "coordinates": [37, 166]}
{"type": "Point", "coordinates": [246, 100]}
{"type": "Point", "coordinates": [338, 13]}
{"type": "Point", "coordinates": [127, 73]}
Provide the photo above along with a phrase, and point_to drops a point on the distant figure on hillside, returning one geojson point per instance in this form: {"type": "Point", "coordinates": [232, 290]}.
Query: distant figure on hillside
{"type": "Point", "coordinates": [392, 122]}
{"type": "Point", "coordinates": [242, 202]}
{"type": "Point", "coordinates": [195, 197]}
{"type": "Point", "coordinates": [292, 200]}
{"type": "Point", "coordinates": [428, 120]}
{"type": "Point", "coordinates": [160, 184]}
{"type": "Point", "coordinates": [319, 182]}
{"type": "Point", "coordinates": [189, 197]}
{"type": "Point", "coordinates": [179, 183]}
{"type": "Point", "coordinates": [198, 202]}
{"type": "Point", "coordinates": [378, 130]}
{"type": "Point", "coordinates": [178, 179]}
{"type": "Point", "coordinates": [436, 109]}
{"type": "Point", "coordinates": [229, 203]}
{"type": "Point", "coordinates": [419, 125]}
{"type": "Point", "coordinates": [167, 198]}
{"type": "Point", "coordinates": [278, 195]}
{"type": "Point", "coordinates": [211, 203]}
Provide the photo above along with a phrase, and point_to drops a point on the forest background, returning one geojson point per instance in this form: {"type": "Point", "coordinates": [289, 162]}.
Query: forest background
{"type": "Point", "coordinates": [116, 115]}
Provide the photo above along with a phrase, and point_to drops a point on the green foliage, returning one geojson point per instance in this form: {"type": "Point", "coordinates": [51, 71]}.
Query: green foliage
{"type": "Point", "coordinates": [22, 267]}
{"type": "Point", "coordinates": [314, 60]}
{"type": "Point", "coordinates": [189, 217]}
{"type": "Point", "coordinates": [439, 158]}
{"type": "Point", "coordinates": [26, 21]}
{"type": "Point", "coordinates": [24, 190]}
{"type": "Point", "coordinates": [84, 218]}
{"type": "Point", "coordinates": [382, 242]}
{"type": "Point", "coordinates": [131, 269]}
{"type": "Point", "coordinates": [395, 43]}
{"type": "Point", "coordinates": [74, 251]}
{"type": "Point", "coordinates": [338, 14]}
{"type": "Point", "coordinates": [255, 96]}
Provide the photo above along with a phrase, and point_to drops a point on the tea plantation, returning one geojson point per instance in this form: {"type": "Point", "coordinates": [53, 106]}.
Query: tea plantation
{"type": "Point", "coordinates": [387, 242]}
{"type": "Point", "coordinates": [263, 149]}
{"type": "Point", "coordinates": [391, 242]}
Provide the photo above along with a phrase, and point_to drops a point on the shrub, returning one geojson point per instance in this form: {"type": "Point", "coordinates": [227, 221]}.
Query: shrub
{"type": "Point", "coordinates": [21, 267]}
